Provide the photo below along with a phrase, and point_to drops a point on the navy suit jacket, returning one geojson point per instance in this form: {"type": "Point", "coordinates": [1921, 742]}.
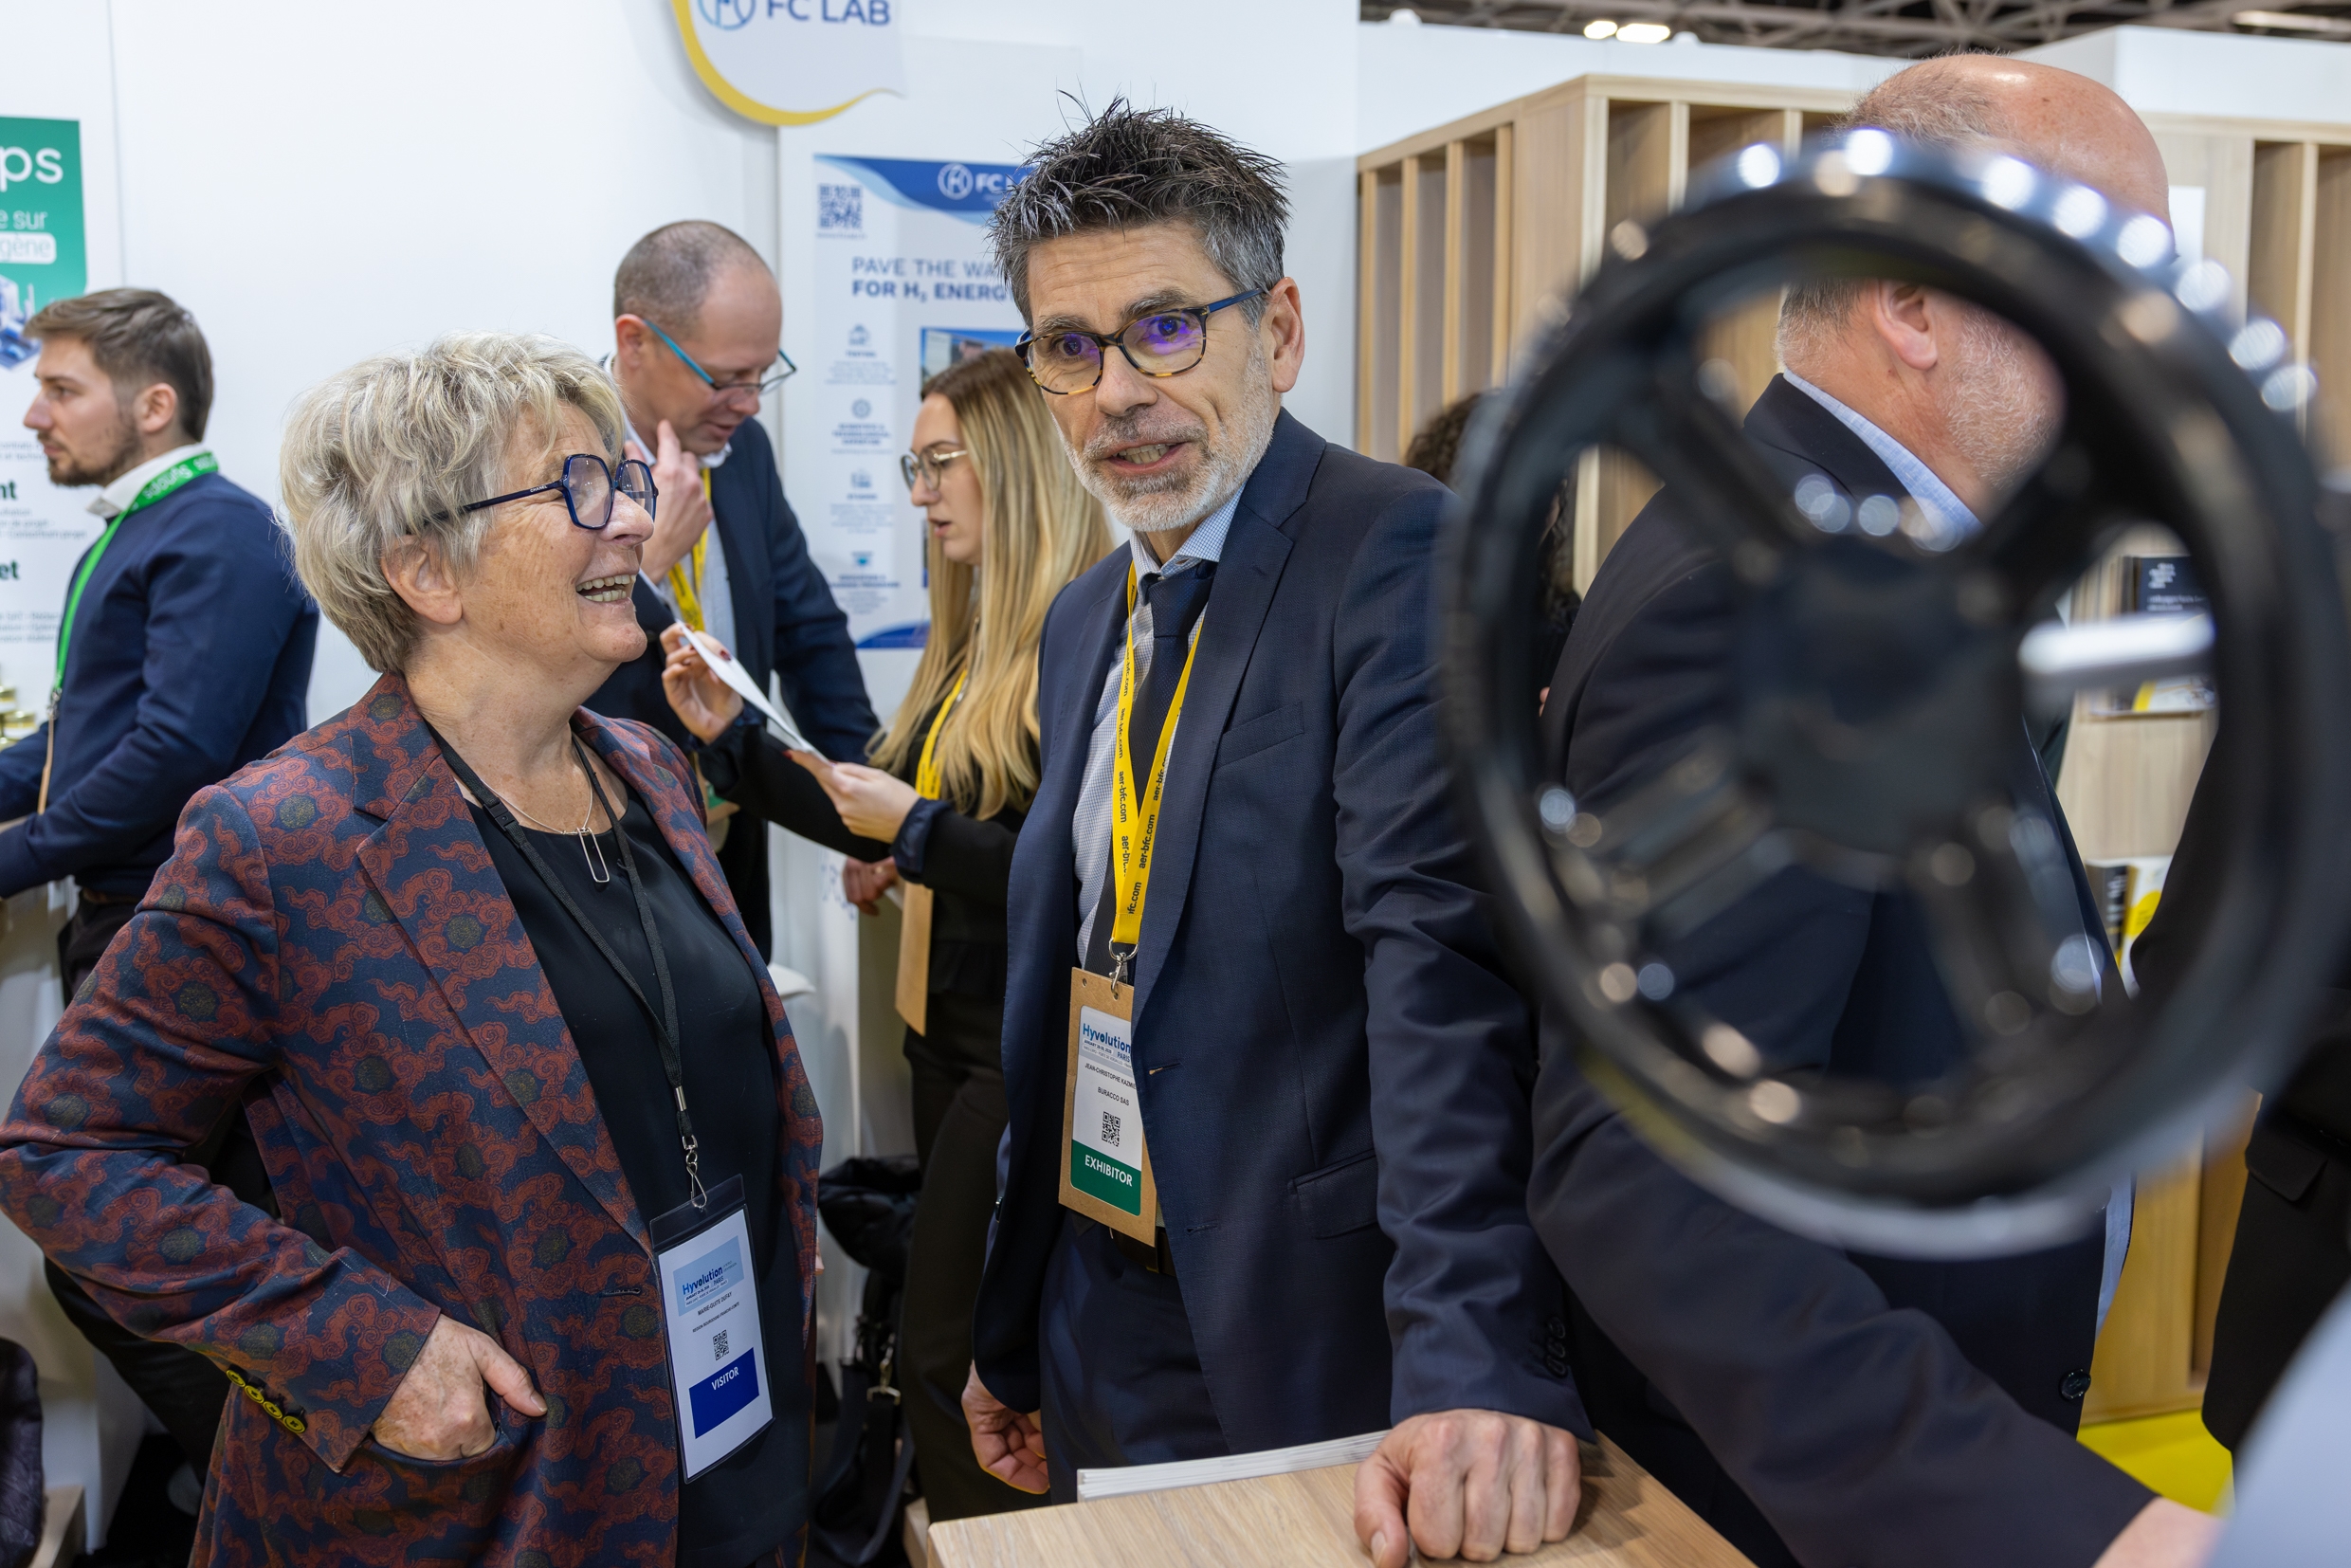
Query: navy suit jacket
{"type": "Point", "coordinates": [1875, 1411]}
{"type": "Point", "coordinates": [786, 624]}
{"type": "Point", "coordinates": [1334, 1068]}
{"type": "Point", "coordinates": [189, 658]}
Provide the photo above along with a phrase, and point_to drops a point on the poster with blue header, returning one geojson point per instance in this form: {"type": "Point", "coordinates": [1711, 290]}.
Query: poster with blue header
{"type": "Point", "coordinates": [904, 287]}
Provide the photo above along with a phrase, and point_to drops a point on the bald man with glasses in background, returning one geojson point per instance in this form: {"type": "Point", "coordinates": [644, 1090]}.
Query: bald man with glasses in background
{"type": "Point", "coordinates": [697, 323]}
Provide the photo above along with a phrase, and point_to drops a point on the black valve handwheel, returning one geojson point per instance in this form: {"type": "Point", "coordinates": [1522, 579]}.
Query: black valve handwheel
{"type": "Point", "coordinates": [1904, 773]}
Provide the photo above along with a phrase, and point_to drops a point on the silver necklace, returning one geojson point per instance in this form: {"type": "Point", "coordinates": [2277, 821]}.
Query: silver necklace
{"type": "Point", "coordinates": [591, 845]}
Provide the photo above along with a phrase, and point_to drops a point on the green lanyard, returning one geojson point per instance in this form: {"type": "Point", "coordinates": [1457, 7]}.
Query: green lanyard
{"type": "Point", "coordinates": [153, 491]}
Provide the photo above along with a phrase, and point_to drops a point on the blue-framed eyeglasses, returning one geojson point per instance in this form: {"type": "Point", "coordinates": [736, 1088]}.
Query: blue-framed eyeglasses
{"type": "Point", "coordinates": [590, 485]}
{"type": "Point", "coordinates": [778, 373]}
{"type": "Point", "coordinates": [1157, 343]}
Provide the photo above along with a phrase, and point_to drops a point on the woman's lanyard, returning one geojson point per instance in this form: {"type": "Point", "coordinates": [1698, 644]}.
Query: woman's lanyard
{"type": "Point", "coordinates": [926, 781]}
{"type": "Point", "coordinates": [664, 1022]}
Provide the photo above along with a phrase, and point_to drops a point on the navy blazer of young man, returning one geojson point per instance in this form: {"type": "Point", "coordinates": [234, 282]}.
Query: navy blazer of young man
{"type": "Point", "coordinates": [786, 624]}
{"type": "Point", "coordinates": [1874, 1409]}
{"type": "Point", "coordinates": [1333, 1066]}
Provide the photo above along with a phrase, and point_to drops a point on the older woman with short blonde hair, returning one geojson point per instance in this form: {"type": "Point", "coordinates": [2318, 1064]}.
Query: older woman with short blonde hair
{"type": "Point", "coordinates": [463, 956]}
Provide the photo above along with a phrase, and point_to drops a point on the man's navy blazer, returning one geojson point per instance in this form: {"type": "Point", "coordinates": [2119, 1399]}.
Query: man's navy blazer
{"type": "Point", "coordinates": [1876, 1411]}
{"type": "Point", "coordinates": [189, 658]}
{"type": "Point", "coordinates": [786, 624]}
{"type": "Point", "coordinates": [1334, 1068]}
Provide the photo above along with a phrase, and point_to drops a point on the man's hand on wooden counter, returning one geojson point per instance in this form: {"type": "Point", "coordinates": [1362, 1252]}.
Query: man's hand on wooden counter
{"type": "Point", "coordinates": [1472, 1484]}
{"type": "Point", "coordinates": [1010, 1445]}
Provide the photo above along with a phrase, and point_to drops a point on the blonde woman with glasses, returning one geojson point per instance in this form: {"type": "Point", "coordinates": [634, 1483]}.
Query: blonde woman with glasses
{"type": "Point", "coordinates": [941, 809]}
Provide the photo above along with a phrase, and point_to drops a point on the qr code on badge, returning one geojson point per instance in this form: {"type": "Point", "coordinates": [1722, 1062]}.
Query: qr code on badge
{"type": "Point", "coordinates": [718, 1345]}
{"type": "Point", "coordinates": [1110, 1127]}
{"type": "Point", "coordinates": [841, 207]}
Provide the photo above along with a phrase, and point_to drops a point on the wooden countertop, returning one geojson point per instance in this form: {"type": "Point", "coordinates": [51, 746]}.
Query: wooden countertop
{"type": "Point", "coordinates": [1307, 1520]}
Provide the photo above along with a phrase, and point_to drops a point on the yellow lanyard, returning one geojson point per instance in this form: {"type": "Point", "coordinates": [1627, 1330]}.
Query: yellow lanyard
{"type": "Point", "coordinates": [927, 771]}
{"type": "Point", "coordinates": [687, 588]}
{"type": "Point", "coordinates": [1134, 826]}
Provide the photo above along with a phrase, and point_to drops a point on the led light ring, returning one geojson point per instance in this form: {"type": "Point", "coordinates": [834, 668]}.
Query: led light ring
{"type": "Point", "coordinates": [2161, 426]}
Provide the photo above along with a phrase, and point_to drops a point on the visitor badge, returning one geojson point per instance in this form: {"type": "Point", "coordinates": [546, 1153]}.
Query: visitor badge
{"type": "Point", "coordinates": [710, 1311]}
{"type": "Point", "coordinates": [1105, 1171]}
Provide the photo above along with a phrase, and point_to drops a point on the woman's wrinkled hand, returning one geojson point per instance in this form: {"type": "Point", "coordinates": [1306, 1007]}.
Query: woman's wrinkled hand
{"type": "Point", "coordinates": [872, 803]}
{"type": "Point", "coordinates": [865, 881]}
{"type": "Point", "coordinates": [702, 702]}
{"type": "Point", "coordinates": [440, 1411]}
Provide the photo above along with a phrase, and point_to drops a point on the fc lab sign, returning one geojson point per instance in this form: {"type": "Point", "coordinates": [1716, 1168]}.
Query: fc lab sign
{"type": "Point", "coordinates": [795, 62]}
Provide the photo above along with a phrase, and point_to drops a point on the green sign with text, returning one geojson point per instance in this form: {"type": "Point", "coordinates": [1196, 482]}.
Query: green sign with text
{"type": "Point", "coordinates": [43, 256]}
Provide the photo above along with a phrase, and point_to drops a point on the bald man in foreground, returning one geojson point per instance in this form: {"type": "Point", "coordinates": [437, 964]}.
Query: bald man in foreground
{"type": "Point", "coordinates": [1821, 1406]}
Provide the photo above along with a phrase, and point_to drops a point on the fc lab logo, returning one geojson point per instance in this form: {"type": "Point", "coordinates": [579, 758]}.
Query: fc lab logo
{"type": "Point", "coordinates": [954, 181]}
{"type": "Point", "coordinates": [727, 15]}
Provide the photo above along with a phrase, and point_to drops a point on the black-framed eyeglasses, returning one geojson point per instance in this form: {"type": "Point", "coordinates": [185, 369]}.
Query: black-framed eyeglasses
{"type": "Point", "coordinates": [927, 466]}
{"type": "Point", "coordinates": [588, 486]}
{"type": "Point", "coordinates": [774, 376]}
{"type": "Point", "coordinates": [1157, 343]}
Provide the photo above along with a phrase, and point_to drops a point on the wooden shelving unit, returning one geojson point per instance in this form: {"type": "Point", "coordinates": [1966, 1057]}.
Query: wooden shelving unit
{"type": "Point", "coordinates": [1471, 231]}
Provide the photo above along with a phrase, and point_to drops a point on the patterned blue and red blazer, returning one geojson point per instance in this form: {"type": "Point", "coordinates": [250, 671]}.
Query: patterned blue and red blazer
{"type": "Point", "coordinates": [330, 945]}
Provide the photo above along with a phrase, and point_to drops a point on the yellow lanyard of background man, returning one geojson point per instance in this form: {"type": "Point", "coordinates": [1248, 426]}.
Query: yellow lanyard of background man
{"type": "Point", "coordinates": [686, 588]}
{"type": "Point", "coordinates": [927, 771]}
{"type": "Point", "coordinates": [1134, 825]}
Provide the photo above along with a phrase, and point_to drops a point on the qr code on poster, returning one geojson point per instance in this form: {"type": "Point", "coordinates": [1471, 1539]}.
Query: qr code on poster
{"type": "Point", "coordinates": [841, 207]}
{"type": "Point", "coordinates": [1110, 1127]}
{"type": "Point", "coordinates": [718, 1345]}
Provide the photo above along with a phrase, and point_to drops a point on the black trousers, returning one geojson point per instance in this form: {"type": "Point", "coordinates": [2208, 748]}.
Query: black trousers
{"type": "Point", "coordinates": [958, 1119]}
{"type": "Point", "coordinates": [2291, 1258]}
{"type": "Point", "coordinates": [185, 1391]}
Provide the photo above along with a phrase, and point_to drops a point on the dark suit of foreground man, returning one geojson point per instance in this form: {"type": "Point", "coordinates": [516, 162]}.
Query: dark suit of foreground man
{"type": "Point", "coordinates": [1818, 1407]}
{"type": "Point", "coordinates": [1331, 1067]}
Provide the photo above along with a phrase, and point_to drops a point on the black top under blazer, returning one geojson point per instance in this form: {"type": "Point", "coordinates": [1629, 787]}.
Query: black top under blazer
{"type": "Point", "coordinates": [1334, 1065]}
{"type": "Point", "coordinates": [786, 624]}
{"type": "Point", "coordinates": [1875, 1411]}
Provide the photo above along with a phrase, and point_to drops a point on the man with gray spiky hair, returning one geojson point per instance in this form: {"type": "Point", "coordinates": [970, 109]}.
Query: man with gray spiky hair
{"type": "Point", "coordinates": [1267, 1079]}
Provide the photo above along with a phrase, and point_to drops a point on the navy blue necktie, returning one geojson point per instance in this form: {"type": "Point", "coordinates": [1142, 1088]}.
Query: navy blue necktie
{"type": "Point", "coordinates": [1176, 599]}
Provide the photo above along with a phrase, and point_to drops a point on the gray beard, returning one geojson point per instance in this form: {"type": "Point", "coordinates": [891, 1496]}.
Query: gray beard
{"type": "Point", "coordinates": [2005, 411]}
{"type": "Point", "coordinates": [1159, 505]}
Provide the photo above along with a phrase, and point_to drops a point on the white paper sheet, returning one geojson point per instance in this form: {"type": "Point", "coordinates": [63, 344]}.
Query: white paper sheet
{"type": "Point", "coordinates": [1128, 1480]}
{"type": "Point", "coordinates": [730, 669]}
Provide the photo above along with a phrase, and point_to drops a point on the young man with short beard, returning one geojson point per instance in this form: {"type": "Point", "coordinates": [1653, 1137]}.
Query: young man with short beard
{"type": "Point", "coordinates": [1292, 1019]}
{"type": "Point", "coordinates": [183, 653]}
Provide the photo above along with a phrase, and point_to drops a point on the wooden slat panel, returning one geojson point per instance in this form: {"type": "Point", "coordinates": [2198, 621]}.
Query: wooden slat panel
{"type": "Point", "coordinates": [2283, 208]}
{"type": "Point", "coordinates": [1648, 167]}
{"type": "Point", "coordinates": [1506, 210]}
{"type": "Point", "coordinates": [1456, 222]}
{"type": "Point", "coordinates": [1424, 295]}
{"type": "Point", "coordinates": [2330, 304]}
{"type": "Point", "coordinates": [2143, 1363]}
{"type": "Point", "coordinates": [2220, 1198]}
{"type": "Point", "coordinates": [1366, 304]}
{"type": "Point", "coordinates": [1384, 298]}
{"type": "Point", "coordinates": [1470, 272]}
{"type": "Point", "coordinates": [1556, 180]}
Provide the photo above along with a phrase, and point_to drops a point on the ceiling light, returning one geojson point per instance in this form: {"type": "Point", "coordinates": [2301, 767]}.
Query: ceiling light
{"type": "Point", "coordinates": [1404, 16]}
{"type": "Point", "coordinates": [1645, 32]}
{"type": "Point", "coordinates": [1602, 28]}
{"type": "Point", "coordinates": [2333, 27]}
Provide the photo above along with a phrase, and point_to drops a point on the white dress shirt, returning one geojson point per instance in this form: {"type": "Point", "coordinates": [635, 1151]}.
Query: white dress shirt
{"type": "Point", "coordinates": [1952, 517]}
{"type": "Point", "coordinates": [116, 499]}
